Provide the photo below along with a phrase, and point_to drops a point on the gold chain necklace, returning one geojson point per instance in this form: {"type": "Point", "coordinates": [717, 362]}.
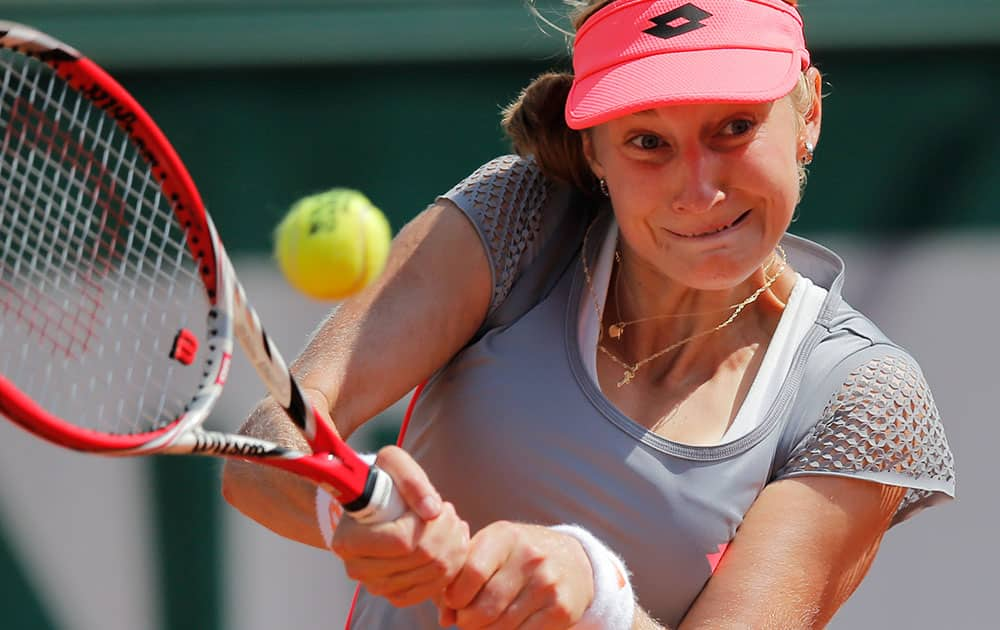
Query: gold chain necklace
{"type": "Point", "coordinates": [617, 329]}
{"type": "Point", "coordinates": [631, 368]}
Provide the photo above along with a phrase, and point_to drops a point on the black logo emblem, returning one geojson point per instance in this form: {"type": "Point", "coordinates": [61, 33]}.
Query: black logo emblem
{"type": "Point", "coordinates": [677, 22]}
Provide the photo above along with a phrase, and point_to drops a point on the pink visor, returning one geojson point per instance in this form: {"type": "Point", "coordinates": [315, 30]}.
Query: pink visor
{"type": "Point", "coordinates": [634, 55]}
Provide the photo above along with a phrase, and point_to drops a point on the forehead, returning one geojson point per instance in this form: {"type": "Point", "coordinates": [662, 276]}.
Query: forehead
{"type": "Point", "coordinates": [703, 111]}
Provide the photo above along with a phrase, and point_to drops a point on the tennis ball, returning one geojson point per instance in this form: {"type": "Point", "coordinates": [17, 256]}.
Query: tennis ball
{"type": "Point", "coordinates": [331, 244]}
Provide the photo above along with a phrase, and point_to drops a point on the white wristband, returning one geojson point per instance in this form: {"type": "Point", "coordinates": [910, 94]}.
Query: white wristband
{"type": "Point", "coordinates": [613, 606]}
{"type": "Point", "coordinates": [329, 511]}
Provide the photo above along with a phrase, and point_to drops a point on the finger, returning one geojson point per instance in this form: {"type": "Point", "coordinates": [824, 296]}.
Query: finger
{"type": "Point", "coordinates": [442, 542]}
{"type": "Point", "coordinates": [410, 479]}
{"type": "Point", "coordinates": [383, 540]}
{"type": "Point", "coordinates": [491, 604]}
{"type": "Point", "coordinates": [488, 550]}
{"type": "Point", "coordinates": [526, 603]}
{"type": "Point", "coordinates": [368, 570]}
{"type": "Point", "coordinates": [411, 587]}
{"type": "Point", "coordinates": [538, 607]}
{"type": "Point", "coordinates": [446, 541]}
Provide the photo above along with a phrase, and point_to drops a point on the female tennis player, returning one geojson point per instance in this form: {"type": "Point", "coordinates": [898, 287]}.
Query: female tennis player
{"type": "Point", "coordinates": [648, 403]}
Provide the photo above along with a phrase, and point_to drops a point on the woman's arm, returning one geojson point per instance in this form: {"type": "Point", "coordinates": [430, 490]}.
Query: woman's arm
{"type": "Point", "coordinates": [377, 346]}
{"type": "Point", "coordinates": [803, 548]}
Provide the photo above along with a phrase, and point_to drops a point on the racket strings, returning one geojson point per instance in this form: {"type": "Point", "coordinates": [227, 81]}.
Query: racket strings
{"type": "Point", "coordinates": [95, 277]}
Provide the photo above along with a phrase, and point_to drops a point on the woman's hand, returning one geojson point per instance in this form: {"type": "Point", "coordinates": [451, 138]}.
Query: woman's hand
{"type": "Point", "coordinates": [519, 576]}
{"type": "Point", "coordinates": [413, 558]}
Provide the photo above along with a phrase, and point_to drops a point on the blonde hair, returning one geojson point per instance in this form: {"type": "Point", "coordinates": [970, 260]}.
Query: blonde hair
{"type": "Point", "coordinates": [536, 124]}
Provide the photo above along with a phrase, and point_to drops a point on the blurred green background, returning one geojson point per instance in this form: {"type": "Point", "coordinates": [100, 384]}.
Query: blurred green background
{"type": "Point", "coordinates": [268, 100]}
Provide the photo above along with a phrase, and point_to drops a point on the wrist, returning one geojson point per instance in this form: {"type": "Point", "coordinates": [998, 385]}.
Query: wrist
{"type": "Point", "coordinates": [613, 604]}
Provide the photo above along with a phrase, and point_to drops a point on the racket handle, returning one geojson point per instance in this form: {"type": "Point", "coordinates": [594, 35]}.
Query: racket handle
{"type": "Point", "coordinates": [385, 504]}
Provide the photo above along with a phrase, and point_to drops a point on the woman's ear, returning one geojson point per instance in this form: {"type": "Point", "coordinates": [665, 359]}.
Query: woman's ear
{"type": "Point", "coordinates": [814, 117]}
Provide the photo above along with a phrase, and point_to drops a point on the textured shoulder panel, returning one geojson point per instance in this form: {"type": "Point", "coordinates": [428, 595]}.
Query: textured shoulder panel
{"type": "Point", "coordinates": [882, 426]}
{"type": "Point", "coordinates": [504, 199]}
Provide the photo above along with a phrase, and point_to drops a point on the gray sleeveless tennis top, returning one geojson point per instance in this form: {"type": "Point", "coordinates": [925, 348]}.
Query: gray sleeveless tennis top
{"type": "Point", "coordinates": [514, 429]}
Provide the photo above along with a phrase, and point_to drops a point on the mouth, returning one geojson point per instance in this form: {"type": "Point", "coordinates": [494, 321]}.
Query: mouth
{"type": "Point", "coordinates": [715, 230]}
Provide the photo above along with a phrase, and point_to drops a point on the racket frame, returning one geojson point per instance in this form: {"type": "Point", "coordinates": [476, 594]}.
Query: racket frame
{"type": "Point", "coordinates": [365, 491]}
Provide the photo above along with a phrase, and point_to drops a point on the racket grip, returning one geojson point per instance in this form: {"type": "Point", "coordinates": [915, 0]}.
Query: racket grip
{"type": "Point", "coordinates": [385, 504]}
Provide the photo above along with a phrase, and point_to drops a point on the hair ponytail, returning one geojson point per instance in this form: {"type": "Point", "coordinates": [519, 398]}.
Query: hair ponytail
{"type": "Point", "coordinates": [536, 125]}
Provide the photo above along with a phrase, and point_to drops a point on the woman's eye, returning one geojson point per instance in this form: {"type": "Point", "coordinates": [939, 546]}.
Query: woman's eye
{"type": "Point", "coordinates": [647, 141]}
{"type": "Point", "coordinates": [738, 127]}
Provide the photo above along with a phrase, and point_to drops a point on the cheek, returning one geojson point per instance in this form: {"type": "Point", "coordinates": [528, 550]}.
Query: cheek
{"type": "Point", "coordinates": [770, 174]}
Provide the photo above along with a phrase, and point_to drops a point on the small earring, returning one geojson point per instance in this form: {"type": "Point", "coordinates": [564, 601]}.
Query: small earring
{"type": "Point", "coordinates": [808, 157]}
{"type": "Point", "coordinates": [603, 184]}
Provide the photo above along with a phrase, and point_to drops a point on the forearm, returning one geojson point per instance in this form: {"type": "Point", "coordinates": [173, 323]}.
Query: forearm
{"type": "Point", "coordinates": [367, 355]}
{"type": "Point", "coordinates": [280, 501]}
{"type": "Point", "coordinates": [393, 335]}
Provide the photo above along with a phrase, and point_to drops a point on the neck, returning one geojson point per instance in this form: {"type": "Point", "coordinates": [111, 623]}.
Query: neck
{"type": "Point", "coordinates": [653, 312]}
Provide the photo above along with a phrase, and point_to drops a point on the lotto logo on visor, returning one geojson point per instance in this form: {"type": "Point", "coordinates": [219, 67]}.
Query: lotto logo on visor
{"type": "Point", "coordinates": [635, 55]}
{"type": "Point", "coordinates": [677, 22]}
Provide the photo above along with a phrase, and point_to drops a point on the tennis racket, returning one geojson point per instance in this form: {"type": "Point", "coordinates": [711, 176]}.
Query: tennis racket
{"type": "Point", "coordinates": [118, 304]}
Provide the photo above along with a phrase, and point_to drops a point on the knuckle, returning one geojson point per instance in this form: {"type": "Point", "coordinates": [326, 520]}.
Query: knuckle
{"type": "Point", "coordinates": [548, 576]}
{"type": "Point", "coordinates": [477, 570]}
{"type": "Point", "coordinates": [487, 611]}
{"type": "Point", "coordinates": [500, 527]}
{"type": "Point", "coordinates": [533, 555]}
{"type": "Point", "coordinates": [448, 510]}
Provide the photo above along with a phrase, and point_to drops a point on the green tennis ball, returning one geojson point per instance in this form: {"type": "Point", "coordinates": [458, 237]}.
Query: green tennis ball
{"type": "Point", "coordinates": [331, 244]}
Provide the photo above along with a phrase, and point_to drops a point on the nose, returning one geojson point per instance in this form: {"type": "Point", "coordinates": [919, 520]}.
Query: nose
{"type": "Point", "coordinates": [698, 187]}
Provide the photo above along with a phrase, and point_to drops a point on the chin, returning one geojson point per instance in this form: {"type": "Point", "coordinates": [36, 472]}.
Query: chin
{"type": "Point", "coordinates": [721, 275]}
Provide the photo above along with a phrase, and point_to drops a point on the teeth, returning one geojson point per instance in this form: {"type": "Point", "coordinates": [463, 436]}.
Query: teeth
{"type": "Point", "coordinates": [717, 230]}
{"type": "Point", "coordinates": [724, 227]}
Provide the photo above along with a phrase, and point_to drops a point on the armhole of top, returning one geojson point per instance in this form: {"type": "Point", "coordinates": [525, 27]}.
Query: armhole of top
{"type": "Point", "coordinates": [504, 200]}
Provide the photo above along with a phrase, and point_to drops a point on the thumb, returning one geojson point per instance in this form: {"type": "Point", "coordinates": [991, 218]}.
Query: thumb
{"type": "Point", "coordinates": [411, 481]}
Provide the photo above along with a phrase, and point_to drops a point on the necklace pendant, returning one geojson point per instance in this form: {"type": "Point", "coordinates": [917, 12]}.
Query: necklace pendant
{"type": "Point", "coordinates": [626, 378]}
{"type": "Point", "coordinates": [615, 331]}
